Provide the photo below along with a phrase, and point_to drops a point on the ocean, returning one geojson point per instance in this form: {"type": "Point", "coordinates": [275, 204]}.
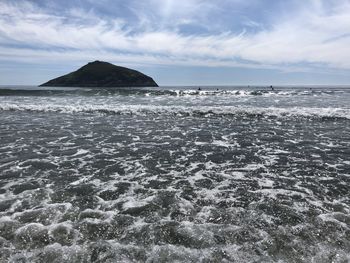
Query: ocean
{"type": "Point", "coordinates": [175, 174]}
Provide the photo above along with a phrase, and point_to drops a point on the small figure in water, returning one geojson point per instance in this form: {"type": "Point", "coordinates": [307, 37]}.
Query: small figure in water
{"type": "Point", "coordinates": [199, 88]}
{"type": "Point", "coordinates": [272, 88]}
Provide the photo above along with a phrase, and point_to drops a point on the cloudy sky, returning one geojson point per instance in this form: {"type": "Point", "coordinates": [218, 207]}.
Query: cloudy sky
{"type": "Point", "coordinates": [179, 42]}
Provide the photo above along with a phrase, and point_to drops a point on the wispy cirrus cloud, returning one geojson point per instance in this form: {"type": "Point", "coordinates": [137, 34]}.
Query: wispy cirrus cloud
{"type": "Point", "coordinates": [315, 33]}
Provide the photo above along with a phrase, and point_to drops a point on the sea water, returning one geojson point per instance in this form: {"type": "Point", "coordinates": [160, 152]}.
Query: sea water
{"type": "Point", "coordinates": [175, 174]}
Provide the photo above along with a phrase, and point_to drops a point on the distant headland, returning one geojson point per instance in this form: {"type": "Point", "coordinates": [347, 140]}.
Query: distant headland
{"type": "Point", "coordinates": [102, 74]}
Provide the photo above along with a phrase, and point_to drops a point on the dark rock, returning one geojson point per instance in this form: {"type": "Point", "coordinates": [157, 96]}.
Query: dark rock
{"type": "Point", "coordinates": [102, 74]}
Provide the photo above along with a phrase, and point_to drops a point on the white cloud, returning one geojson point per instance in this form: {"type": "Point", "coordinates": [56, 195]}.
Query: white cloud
{"type": "Point", "coordinates": [314, 35]}
{"type": "Point", "coordinates": [166, 14]}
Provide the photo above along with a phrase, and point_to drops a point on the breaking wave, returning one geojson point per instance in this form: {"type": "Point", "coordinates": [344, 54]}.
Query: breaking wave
{"type": "Point", "coordinates": [196, 111]}
{"type": "Point", "coordinates": [169, 92]}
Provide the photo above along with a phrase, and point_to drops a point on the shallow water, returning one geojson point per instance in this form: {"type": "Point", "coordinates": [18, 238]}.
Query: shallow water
{"type": "Point", "coordinates": [175, 175]}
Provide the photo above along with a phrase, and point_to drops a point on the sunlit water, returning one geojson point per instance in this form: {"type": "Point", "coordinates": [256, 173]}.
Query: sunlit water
{"type": "Point", "coordinates": [175, 175]}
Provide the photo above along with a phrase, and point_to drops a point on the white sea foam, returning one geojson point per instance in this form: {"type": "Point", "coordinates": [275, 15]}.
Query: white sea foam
{"type": "Point", "coordinates": [343, 113]}
{"type": "Point", "coordinates": [250, 92]}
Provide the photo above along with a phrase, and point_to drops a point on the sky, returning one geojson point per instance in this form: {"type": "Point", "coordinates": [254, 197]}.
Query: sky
{"type": "Point", "coordinates": [179, 42]}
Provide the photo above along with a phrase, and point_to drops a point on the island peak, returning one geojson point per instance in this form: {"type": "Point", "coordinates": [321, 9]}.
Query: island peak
{"type": "Point", "coordinates": [102, 74]}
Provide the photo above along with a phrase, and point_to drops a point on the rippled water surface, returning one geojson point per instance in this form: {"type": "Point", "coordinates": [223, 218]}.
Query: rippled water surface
{"type": "Point", "coordinates": [225, 174]}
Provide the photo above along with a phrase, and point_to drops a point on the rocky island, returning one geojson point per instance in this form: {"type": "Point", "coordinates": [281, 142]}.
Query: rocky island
{"type": "Point", "coordinates": [102, 74]}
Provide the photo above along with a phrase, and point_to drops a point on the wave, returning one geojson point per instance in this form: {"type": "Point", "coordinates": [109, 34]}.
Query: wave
{"type": "Point", "coordinates": [82, 92]}
{"type": "Point", "coordinates": [167, 92]}
{"type": "Point", "coordinates": [199, 111]}
{"type": "Point", "coordinates": [243, 93]}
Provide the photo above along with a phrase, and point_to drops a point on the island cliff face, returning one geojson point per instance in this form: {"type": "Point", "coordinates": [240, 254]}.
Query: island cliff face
{"type": "Point", "coordinates": [102, 74]}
